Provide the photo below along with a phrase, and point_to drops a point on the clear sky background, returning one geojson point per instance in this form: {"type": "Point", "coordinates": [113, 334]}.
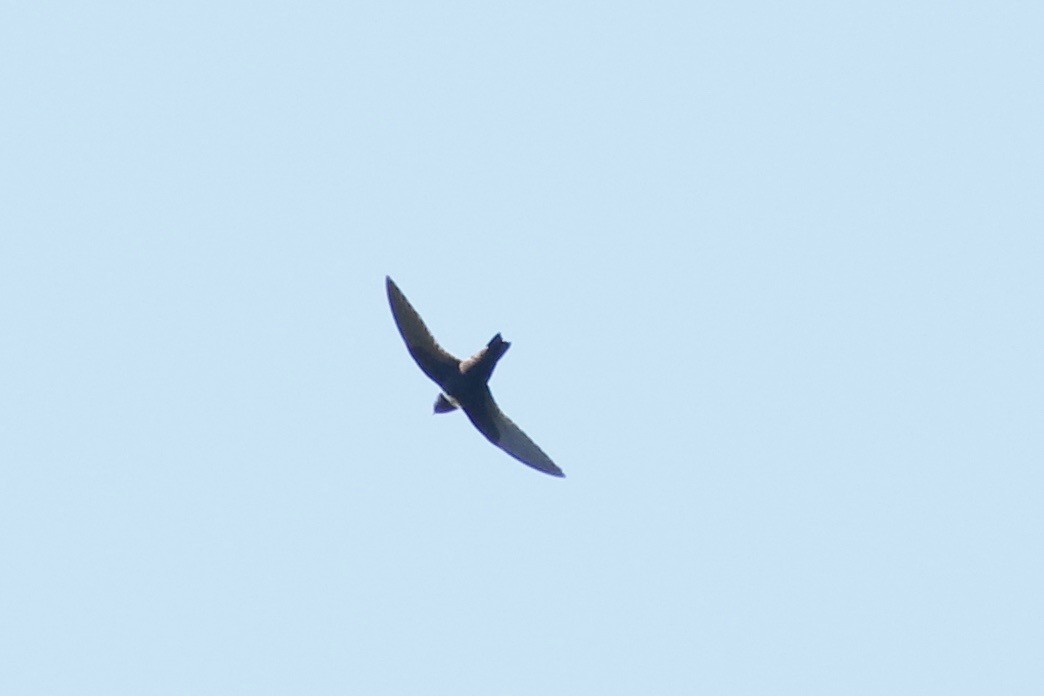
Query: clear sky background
{"type": "Point", "coordinates": [773, 276]}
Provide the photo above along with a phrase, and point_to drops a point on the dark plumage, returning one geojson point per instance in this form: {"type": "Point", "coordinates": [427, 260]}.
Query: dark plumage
{"type": "Point", "coordinates": [464, 383]}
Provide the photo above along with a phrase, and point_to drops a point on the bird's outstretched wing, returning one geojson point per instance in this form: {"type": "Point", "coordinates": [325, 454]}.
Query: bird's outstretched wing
{"type": "Point", "coordinates": [502, 432]}
{"type": "Point", "coordinates": [429, 355]}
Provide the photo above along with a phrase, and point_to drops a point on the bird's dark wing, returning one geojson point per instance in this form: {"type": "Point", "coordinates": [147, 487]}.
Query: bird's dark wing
{"type": "Point", "coordinates": [498, 429]}
{"type": "Point", "coordinates": [429, 355]}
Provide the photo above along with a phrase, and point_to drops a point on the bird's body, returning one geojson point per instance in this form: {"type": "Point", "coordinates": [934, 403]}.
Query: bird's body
{"type": "Point", "coordinates": [464, 383]}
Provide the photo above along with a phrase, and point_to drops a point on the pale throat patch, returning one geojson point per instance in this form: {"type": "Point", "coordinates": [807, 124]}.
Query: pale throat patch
{"type": "Point", "coordinates": [450, 399]}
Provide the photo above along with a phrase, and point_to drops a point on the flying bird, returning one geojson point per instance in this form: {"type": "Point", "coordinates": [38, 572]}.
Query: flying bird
{"type": "Point", "coordinates": [464, 383]}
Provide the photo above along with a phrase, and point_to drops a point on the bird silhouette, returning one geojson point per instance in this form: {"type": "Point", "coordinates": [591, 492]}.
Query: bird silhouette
{"type": "Point", "coordinates": [464, 383]}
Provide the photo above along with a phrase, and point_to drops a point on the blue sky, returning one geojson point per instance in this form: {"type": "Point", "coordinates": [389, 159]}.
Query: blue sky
{"type": "Point", "coordinates": [772, 275]}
